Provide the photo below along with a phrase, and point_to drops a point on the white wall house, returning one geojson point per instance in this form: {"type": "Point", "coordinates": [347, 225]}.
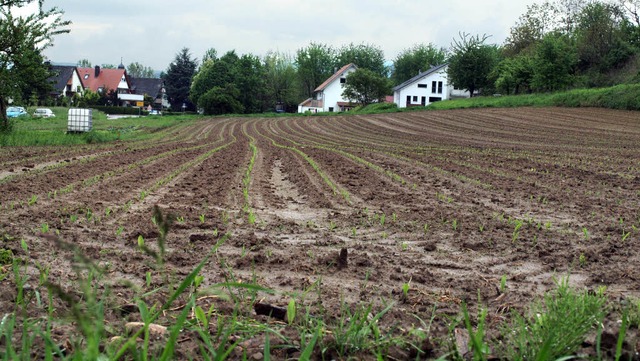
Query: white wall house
{"type": "Point", "coordinates": [328, 96]}
{"type": "Point", "coordinates": [426, 88]}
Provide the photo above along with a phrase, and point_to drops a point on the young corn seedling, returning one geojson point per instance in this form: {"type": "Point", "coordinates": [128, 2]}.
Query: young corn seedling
{"type": "Point", "coordinates": [33, 200]}
{"type": "Point", "coordinates": [202, 219]}
{"type": "Point", "coordinates": [585, 232]}
{"type": "Point", "coordinates": [516, 231]}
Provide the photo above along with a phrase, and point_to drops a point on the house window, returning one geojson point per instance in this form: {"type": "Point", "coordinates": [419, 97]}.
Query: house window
{"type": "Point", "coordinates": [86, 76]}
{"type": "Point", "coordinates": [439, 87]}
{"type": "Point", "coordinates": [343, 80]}
{"type": "Point", "coordinates": [433, 86]}
{"type": "Point", "coordinates": [100, 90]}
{"type": "Point", "coordinates": [331, 109]}
{"type": "Point", "coordinates": [415, 98]}
{"type": "Point", "coordinates": [422, 85]}
{"type": "Point", "coordinates": [434, 99]}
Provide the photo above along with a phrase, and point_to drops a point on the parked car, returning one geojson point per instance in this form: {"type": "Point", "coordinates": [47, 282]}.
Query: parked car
{"type": "Point", "coordinates": [43, 113]}
{"type": "Point", "coordinates": [155, 112]}
{"type": "Point", "coordinates": [14, 112]}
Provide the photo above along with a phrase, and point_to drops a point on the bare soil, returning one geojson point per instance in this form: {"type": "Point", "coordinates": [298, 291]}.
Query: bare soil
{"type": "Point", "coordinates": [448, 202]}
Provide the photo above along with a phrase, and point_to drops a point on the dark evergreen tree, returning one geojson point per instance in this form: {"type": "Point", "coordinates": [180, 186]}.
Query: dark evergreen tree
{"type": "Point", "coordinates": [178, 78]}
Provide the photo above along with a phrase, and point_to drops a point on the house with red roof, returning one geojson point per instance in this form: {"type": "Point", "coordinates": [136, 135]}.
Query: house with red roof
{"type": "Point", "coordinates": [327, 97]}
{"type": "Point", "coordinates": [104, 80]}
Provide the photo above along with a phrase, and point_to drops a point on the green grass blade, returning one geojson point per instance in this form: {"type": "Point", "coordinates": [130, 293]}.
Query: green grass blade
{"type": "Point", "coordinates": [170, 347]}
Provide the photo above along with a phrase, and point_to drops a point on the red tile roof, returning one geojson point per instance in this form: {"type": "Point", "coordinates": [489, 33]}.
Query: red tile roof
{"type": "Point", "coordinates": [334, 76]}
{"type": "Point", "coordinates": [107, 79]}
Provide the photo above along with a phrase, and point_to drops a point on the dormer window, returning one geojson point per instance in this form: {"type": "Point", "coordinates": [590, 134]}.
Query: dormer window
{"type": "Point", "coordinates": [343, 80]}
{"type": "Point", "coordinates": [100, 90]}
{"type": "Point", "coordinates": [86, 76]}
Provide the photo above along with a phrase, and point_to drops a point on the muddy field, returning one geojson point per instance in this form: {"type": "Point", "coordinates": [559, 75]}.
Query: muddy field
{"type": "Point", "coordinates": [446, 202]}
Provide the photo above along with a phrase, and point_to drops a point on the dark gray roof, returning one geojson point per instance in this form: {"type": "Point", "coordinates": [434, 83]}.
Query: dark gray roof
{"type": "Point", "coordinates": [149, 86]}
{"type": "Point", "coordinates": [61, 76]}
{"type": "Point", "coordinates": [419, 76]}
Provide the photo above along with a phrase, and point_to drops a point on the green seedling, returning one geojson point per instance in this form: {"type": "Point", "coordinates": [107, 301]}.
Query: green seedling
{"type": "Point", "coordinates": [516, 231]}
{"type": "Point", "coordinates": [454, 225]}
{"type": "Point", "coordinates": [503, 283]}
{"type": "Point", "coordinates": [405, 290]}
{"type": "Point", "coordinates": [107, 212]}
{"type": "Point", "coordinates": [180, 219]}
{"type": "Point", "coordinates": [481, 228]}
{"type": "Point", "coordinates": [33, 200]}
{"type": "Point", "coordinates": [382, 218]}
{"type": "Point", "coordinates": [148, 279]}
{"type": "Point", "coordinates": [582, 260]}
{"type": "Point", "coordinates": [202, 218]}
{"type": "Point", "coordinates": [119, 231]}
{"type": "Point", "coordinates": [291, 311]}
{"type": "Point", "coordinates": [585, 232]}
{"type": "Point", "coordinates": [354, 230]}
{"type": "Point", "coordinates": [140, 242]}
{"type": "Point", "coordinates": [44, 228]}
{"type": "Point", "coordinates": [625, 235]}
{"type": "Point", "coordinates": [73, 218]}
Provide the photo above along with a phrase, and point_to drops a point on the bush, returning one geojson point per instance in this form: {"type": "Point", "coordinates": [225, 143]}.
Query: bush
{"type": "Point", "coordinates": [119, 110]}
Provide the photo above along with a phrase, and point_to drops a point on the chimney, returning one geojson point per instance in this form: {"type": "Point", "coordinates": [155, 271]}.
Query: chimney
{"type": "Point", "coordinates": [97, 71]}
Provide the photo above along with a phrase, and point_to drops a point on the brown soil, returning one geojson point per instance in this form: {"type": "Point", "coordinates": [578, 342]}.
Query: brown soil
{"type": "Point", "coordinates": [428, 198]}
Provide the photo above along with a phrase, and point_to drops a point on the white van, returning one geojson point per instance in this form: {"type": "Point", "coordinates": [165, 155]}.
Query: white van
{"type": "Point", "coordinates": [43, 113]}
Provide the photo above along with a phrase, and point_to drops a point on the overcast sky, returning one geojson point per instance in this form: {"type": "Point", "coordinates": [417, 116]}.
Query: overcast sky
{"type": "Point", "coordinates": [151, 32]}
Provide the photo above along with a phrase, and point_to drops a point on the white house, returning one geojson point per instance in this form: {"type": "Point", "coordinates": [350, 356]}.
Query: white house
{"type": "Point", "coordinates": [328, 96]}
{"type": "Point", "coordinates": [425, 88]}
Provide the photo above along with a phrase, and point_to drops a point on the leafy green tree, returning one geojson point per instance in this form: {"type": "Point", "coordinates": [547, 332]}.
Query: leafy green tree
{"type": "Point", "coordinates": [250, 81]}
{"type": "Point", "coordinates": [137, 70]}
{"type": "Point", "coordinates": [554, 63]}
{"type": "Point", "coordinates": [365, 86]}
{"type": "Point", "coordinates": [178, 78]}
{"type": "Point", "coordinates": [315, 64]}
{"type": "Point", "coordinates": [210, 54]}
{"type": "Point", "coordinates": [514, 74]}
{"type": "Point", "coordinates": [471, 62]}
{"type": "Point", "coordinates": [219, 100]}
{"type": "Point", "coordinates": [22, 40]}
{"type": "Point", "coordinates": [281, 81]}
{"type": "Point", "coordinates": [599, 37]}
{"type": "Point", "coordinates": [416, 59]}
{"type": "Point", "coordinates": [538, 20]}
{"type": "Point", "coordinates": [364, 56]}
{"type": "Point", "coordinates": [214, 73]}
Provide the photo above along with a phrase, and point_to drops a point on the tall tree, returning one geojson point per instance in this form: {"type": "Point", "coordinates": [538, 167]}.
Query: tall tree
{"type": "Point", "coordinates": [554, 63]}
{"type": "Point", "coordinates": [599, 36]}
{"type": "Point", "coordinates": [365, 86]}
{"type": "Point", "coordinates": [22, 40]}
{"type": "Point", "coordinates": [364, 56]}
{"type": "Point", "coordinates": [137, 70]}
{"type": "Point", "coordinates": [538, 20]}
{"type": "Point", "coordinates": [315, 64]}
{"type": "Point", "coordinates": [280, 80]}
{"type": "Point", "coordinates": [471, 62]}
{"type": "Point", "coordinates": [214, 73]}
{"type": "Point", "coordinates": [178, 80]}
{"type": "Point", "coordinates": [418, 58]}
{"type": "Point", "coordinates": [250, 81]}
{"type": "Point", "coordinates": [210, 54]}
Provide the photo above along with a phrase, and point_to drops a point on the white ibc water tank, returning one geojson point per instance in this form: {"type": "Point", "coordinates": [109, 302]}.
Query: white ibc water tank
{"type": "Point", "coordinates": [79, 120]}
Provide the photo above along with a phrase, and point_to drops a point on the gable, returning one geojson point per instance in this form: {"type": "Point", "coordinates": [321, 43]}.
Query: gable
{"type": "Point", "coordinates": [336, 76]}
{"type": "Point", "coordinates": [421, 79]}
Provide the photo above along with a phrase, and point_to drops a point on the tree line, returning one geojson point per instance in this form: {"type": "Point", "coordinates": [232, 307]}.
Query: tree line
{"type": "Point", "coordinates": [554, 45]}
